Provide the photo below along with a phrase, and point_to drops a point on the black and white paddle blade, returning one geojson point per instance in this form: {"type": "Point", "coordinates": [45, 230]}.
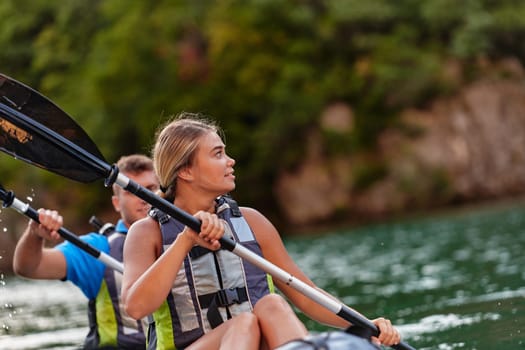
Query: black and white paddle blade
{"type": "Point", "coordinates": [24, 112]}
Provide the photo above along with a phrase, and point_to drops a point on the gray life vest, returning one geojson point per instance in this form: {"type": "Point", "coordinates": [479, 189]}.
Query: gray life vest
{"type": "Point", "coordinates": [211, 286]}
{"type": "Point", "coordinates": [109, 326]}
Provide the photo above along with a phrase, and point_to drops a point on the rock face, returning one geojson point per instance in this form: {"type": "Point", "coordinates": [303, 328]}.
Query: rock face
{"type": "Point", "coordinates": [479, 139]}
{"type": "Point", "coordinates": [320, 186]}
{"type": "Point", "coordinates": [464, 148]}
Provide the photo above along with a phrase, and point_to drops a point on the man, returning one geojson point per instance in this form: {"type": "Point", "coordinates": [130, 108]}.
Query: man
{"type": "Point", "coordinates": [110, 326]}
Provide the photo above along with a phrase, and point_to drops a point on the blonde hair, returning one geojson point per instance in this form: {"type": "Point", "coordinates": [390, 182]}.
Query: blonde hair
{"type": "Point", "coordinates": [175, 146]}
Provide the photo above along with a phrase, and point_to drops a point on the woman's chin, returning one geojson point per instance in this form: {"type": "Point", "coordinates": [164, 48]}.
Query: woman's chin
{"type": "Point", "coordinates": [230, 188]}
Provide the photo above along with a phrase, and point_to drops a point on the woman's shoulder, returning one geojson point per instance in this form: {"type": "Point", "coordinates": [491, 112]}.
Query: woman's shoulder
{"type": "Point", "coordinates": [256, 220]}
{"type": "Point", "coordinates": [145, 221]}
{"type": "Point", "coordinates": [250, 213]}
{"type": "Point", "coordinates": [143, 226]}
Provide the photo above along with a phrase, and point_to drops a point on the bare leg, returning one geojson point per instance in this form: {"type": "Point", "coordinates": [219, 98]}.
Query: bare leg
{"type": "Point", "coordinates": [277, 321]}
{"type": "Point", "coordinates": [241, 332]}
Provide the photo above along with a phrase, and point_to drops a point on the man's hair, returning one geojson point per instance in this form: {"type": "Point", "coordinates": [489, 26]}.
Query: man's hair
{"type": "Point", "coordinates": [134, 164]}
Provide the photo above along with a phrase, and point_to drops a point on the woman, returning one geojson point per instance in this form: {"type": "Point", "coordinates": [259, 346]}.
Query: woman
{"type": "Point", "coordinates": [214, 299]}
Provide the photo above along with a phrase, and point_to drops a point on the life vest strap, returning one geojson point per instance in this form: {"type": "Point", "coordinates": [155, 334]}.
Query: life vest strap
{"type": "Point", "coordinates": [223, 297]}
{"type": "Point", "coordinates": [234, 207]}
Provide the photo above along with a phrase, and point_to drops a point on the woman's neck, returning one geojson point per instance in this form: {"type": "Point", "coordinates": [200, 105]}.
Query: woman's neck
{"type": "Point", "coordinates": [194, 203]}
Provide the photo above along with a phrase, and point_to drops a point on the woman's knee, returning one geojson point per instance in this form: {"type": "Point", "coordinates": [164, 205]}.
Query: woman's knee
{"type": "Point", "coordinates": [272, 304]}
{"type": "Point", "coordinates": [277, 321]}
{"type": "Point", "coordinates": [246, 322]}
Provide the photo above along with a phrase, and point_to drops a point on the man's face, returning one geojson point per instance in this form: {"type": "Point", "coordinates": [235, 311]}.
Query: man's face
{"type": "Point", "coordinates": [131, 207]}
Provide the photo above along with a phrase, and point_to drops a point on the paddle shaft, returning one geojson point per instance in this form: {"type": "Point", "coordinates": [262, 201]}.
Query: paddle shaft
{"type": "Point", "coordinates": [11, 201]}
{"type": "Point", "coordinates": [314, 294]}
{"type": "Point", "coordinates": [112, 175]}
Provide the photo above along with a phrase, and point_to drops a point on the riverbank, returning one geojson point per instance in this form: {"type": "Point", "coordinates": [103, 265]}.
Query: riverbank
{"type": "Point", "coordinates": [354, 222]}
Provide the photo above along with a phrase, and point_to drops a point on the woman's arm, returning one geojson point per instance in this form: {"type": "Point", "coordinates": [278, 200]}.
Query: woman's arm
{"type": "Point", "coordinates": [274, 251]}
{"type": "Point", "coordinates": [147, 281]}
{"type": "Point", "coordinates": [148, 275]}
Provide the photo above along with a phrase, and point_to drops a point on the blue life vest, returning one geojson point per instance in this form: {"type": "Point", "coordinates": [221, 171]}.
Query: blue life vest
{"type": "Point", "coordinates": [109, 326]}
{"type": "Point", "coordinates": [211, 286]}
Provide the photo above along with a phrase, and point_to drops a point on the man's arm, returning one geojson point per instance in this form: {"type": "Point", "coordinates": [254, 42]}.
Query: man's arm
{"type": "Point", "coordinates": [31, 258]}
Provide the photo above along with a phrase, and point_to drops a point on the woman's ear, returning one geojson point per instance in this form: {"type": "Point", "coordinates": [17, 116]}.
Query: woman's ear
{"type": "Point", "coordinates": [185, 173]}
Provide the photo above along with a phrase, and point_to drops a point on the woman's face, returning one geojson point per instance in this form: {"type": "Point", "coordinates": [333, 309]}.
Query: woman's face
{"type": "Point", "coordinates": [212, 169]}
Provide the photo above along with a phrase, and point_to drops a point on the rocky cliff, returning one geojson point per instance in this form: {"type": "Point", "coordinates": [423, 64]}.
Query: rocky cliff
{"type": "Point", "coordinates": [467, 147]}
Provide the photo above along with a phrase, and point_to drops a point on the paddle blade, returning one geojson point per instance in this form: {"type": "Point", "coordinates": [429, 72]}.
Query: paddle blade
{"type": "Point", "coordinates": [19, 102]}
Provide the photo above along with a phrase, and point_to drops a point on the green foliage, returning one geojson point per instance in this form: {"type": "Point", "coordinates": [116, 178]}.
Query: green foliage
{"type": "Point", "coordinates": [265, 69]}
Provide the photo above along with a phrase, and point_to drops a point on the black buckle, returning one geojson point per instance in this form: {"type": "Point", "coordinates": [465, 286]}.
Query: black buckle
{"type": "Point", "coordinates": [228, 297]}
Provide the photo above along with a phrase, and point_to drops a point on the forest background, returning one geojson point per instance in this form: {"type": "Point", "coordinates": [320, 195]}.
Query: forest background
{"type": "Point", "coordinates": [335, 110]}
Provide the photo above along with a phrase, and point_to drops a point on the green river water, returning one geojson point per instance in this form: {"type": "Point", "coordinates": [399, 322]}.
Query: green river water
{"type": "Point", "coordinates": [448, 281]}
